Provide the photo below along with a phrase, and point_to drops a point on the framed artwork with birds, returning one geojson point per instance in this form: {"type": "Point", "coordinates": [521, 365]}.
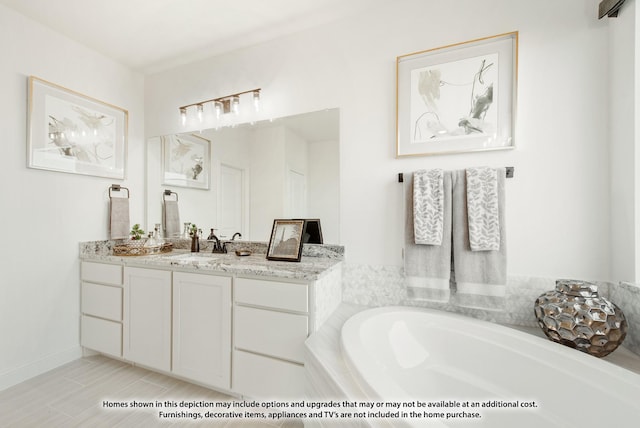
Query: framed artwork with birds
{"type": "Point", "coordinates": [71, 132]}
{"type": "Point", "coordinates": [186, 160]}
{"type": "Point", "coordinates": [457, 98]}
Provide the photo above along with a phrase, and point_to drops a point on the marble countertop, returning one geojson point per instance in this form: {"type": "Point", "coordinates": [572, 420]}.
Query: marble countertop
{"type": "Point", "coordinates": [308, 269]}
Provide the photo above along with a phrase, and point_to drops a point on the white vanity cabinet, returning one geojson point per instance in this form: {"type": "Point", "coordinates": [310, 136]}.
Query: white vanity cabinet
{"type": "Point", "coordinates": [101, 303]}
{"type": "Point", "coordinates": [147, 317]}
{"type": "Point", "coordinates": [202, 328]}
{"type": "Point", "coordinates": [271, 323]}
{"type": "Point", "coordinates": [225, 328]}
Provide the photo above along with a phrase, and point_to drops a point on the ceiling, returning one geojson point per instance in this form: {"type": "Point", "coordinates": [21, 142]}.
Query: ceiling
{"type": "Point", "coordinates": [153, 35]}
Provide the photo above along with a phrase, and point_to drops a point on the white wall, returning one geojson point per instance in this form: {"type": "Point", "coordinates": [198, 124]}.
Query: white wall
{"type": "Point", "coordinates": [623, 153]}
{"type": "Point", "coordinates": [44, 215]}
{"type": "Point", "coordinates": [324, 174]}
{"type": "Point", "coordinates": [558, 214]}
{"type": "Point", "coordinates": [267, 181]}
{"type": "Point", "coordinates": [296, 176]}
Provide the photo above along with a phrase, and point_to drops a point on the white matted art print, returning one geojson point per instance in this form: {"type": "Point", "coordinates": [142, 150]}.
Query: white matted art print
{"type": "Point", "coordinates": [70, 132]}
{"type": "Point", "coordinates": [457, 98]}
{"type": "Point", "coordinates": [186, 160]}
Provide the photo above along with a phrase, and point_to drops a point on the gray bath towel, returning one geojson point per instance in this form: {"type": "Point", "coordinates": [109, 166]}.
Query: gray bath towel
{"type": "Point", "coordinates": [119, 218]}
{"type": "Point", "coordinates": [171, 218]}
{"type": "Point", "coordinates": [427, 267]}
{"type": "Point", "coordinates": [480, 276]}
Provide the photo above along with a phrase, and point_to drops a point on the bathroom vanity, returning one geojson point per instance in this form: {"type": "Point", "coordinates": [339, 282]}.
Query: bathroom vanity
{"type": "Point", "coordinates": [236, 324]}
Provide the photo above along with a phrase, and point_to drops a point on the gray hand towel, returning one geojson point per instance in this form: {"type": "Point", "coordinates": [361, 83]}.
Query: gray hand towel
{"type": "Point", "coordinates": [119, 218]}
{"type": "Point", "coordinates": [428, 202]}
{"type": "Point", "coordinates": [482, 209]}
{"type": "Point", "coordinates": [171, 218]}
{"type": "Point", "coordinates": [480, 276]}
{"type": "Point", "coordinates": [427, 267]}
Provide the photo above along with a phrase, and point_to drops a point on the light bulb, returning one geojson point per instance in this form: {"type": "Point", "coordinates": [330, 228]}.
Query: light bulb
{"type": "Point", "coordinates": [218, 108]}
{"type": "Point", "coordinates": [200, 110]}
{"type": "Point", "coordinates": [235, 104]}
{"type": "Point", "coordinates": [256, 100]}
{"type": "Point", "coordinates": [183, 115]}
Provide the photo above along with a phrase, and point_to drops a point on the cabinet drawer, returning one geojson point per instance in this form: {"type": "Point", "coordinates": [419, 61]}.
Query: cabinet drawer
{"type": "Point", "coordinates": [101, 335]}
{"type": "Point", "coordinates": [272, 333]}
{"type": "Point", "coordinates": [273, 294]}
{"type": "Point", "coordinates": [102, 273]}
{"type": "Point", "coordinates": [262, 377]}
{"type": "Point", "coordinates": [102, 301]}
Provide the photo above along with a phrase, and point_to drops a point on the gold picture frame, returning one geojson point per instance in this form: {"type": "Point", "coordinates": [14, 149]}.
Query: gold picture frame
{"type": "Point", "coordinates": [457, 98]}
{"type": "Point", "coordinates": [186, 161]}
{"type": "Point", "coordinates": [71, 132]}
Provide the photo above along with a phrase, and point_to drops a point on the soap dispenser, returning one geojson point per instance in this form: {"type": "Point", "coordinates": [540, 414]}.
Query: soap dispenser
{"type": "Point", "coordinates": [151, 240]}
{"type": "Point", "coordinates": [195, 240]}
{"type": "Point", "coordinates": [211, 236]}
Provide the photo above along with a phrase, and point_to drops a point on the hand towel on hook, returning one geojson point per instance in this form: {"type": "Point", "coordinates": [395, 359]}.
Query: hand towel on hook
{"type": "Point", "coordinates": [171, 218]}
{"type": "Point", "coordinates": [119, 218]}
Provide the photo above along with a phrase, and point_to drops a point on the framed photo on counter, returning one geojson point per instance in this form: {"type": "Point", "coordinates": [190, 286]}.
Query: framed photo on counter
{"type": "Point", "coordinates": [285, 243]}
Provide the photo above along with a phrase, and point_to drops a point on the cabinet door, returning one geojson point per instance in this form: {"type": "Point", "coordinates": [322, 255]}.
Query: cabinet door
{"type": "Point", "coordinates": [202, 328]}
{"type": "Point", "coordinates": [147, 317]}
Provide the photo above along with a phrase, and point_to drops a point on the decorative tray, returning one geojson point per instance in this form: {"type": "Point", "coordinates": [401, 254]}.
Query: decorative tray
{"type": "Point", "coordinates": [140, 249]}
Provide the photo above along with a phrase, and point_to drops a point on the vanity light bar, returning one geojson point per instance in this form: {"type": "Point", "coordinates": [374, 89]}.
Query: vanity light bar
{"type": "Point", "coordinates": [222, 105]}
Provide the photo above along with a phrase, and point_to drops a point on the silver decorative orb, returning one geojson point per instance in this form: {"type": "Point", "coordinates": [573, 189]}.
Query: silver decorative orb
{"type": "Point", "coordinates": [576, 316]}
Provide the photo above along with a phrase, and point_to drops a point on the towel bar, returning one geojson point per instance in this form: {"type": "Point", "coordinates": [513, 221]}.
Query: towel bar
{"type": "Point", "coordinates": [509, 174]}
{"type": "Point", "coordinates": [117, 188]}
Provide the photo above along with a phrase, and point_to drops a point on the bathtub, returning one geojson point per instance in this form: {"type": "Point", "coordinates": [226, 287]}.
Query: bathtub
{"type": "Point", "coordinates": [415, 356]}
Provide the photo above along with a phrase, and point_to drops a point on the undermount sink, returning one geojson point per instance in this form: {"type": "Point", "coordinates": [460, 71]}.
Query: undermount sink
{"type": "Point", "coordinates": [198, 258]}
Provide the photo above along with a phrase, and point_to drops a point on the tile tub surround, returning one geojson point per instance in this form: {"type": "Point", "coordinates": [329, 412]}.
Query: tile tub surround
{"type": "Point", "coordinates": [384, 286]}
{"type": "Point", "coordinates": [627, 297]}
{"type": "Point", "coordinates": [312, 267]}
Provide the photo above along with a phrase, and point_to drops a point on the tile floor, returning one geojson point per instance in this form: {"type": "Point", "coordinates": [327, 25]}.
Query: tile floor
{"type": "Point", "coordinates": [72, 396]}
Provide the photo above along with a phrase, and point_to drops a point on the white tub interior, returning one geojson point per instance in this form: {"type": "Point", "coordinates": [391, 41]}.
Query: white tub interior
{"type": "Point", "coordinates": [401, 353]}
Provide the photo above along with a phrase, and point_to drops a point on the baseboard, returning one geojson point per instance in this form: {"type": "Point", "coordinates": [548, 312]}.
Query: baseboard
{"type": "Point", "coordinates": [19, 374]}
